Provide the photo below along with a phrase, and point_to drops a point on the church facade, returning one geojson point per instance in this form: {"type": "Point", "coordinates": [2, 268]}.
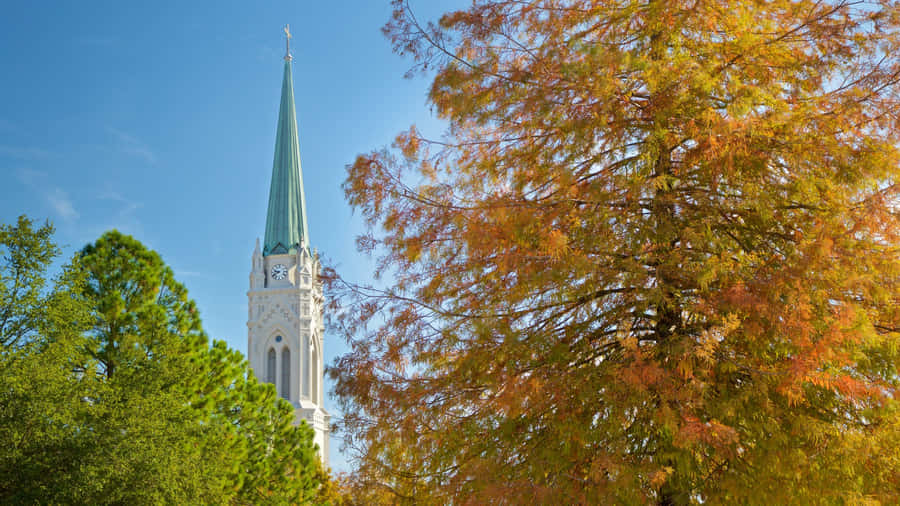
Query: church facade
{"type": "Point", "coordinates": [285, 303]}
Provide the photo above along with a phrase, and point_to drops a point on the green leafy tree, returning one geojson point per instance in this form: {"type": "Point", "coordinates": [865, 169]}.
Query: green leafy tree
{"type": "Point", "coordinates": [653, 260]}
{"type": "Point", "coordinates": [27, 305]}
{"type": "Point", "coordinates": [142, 316]}
{"type": "Point", "coordinates": [110, 393]}
{"type": "Point", "coordinates": [279, 462]}
{"type": "Point", "coordinates": [147, 337]}
{"type": "Point", "coordinates": [41, 327]}
{"type": "Point", "coordinates": [147, 342]}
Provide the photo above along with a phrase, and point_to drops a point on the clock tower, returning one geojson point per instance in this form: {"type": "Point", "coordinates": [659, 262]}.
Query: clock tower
{"type": "Point", "coordinates": [284, 319]}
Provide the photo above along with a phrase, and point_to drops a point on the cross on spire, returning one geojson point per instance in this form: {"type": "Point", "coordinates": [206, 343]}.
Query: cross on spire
{"type": "Point", "coordinates": [287, 42]}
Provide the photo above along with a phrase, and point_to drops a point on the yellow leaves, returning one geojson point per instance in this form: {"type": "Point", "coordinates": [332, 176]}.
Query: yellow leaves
{"type": "Point", "coordinates": [662, 182]}
{"type": "Point", "coordinates": [685, 368]}
{"type": "Point", "coordinates": [658, 478]}
{"type": "Point", "coordinates": [409, 143]}
{"type": "Point", "coordinates": [556, 244]}
{"type": "Point", "coordinates": [630, 343]}
{"type": "Point", "coordinates": [535, 384]}
{"type": "Point", "coordinates": [825, 246]}
{"type": "Point", "coordinates": [413, 251]}
{"type": "Point", "coordinates": [603, 178]}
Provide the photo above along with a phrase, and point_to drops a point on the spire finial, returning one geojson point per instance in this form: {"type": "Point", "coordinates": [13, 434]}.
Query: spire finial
{"type": "Point", "coordinates": [287, 42]}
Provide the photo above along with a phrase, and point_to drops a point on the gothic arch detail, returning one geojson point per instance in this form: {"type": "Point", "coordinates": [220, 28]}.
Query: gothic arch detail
{"type": "Point", "coordinates": [314, 369]}
{"type": "Point", "coordinates": [304, 365]}
{"type": "Point", "coordinates": [271, 364]}
{"type": "Point", "coordinates": [286, 373]}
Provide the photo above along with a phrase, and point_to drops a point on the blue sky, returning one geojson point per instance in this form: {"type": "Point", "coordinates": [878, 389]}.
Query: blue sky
{"type": "Point", "coordinates": [158, 119]}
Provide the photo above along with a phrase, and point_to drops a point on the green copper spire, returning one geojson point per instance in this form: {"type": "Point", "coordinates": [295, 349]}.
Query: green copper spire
{"type": "Point", "coordinates": [286, 230]}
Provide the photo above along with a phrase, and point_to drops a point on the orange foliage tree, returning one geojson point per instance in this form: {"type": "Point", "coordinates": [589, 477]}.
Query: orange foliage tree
{"type": "Point", "coordinates": [654, 258]}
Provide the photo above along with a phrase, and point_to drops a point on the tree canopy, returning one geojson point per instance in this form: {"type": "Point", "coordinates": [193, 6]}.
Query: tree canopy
{"type": "Point", "coordinates": [112, 394]}
{"type": "Point", "coordinates": [654, 258]}
{"type": "Point", "coordinates": [40, 333]}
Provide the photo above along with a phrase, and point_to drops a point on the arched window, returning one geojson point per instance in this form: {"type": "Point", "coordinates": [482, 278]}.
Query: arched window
{"type": "Point", "coordinates": [304, 365]}
{"type": "Point", "coordinates": [270, 367]}
{"type": "Point", "coordinates": [314, 370]}
{"type": "Point", "coordinates": [286, 373]}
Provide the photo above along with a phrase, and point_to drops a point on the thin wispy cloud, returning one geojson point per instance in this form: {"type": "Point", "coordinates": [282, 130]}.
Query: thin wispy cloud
{"type": "Point", "coordinates": [62, 204]}
{"type": "Point", "coordinates": [131, 145]}
{"type": "Point", "coordinates": [120, 215]}
{"type": "Point", "coordinates": [56, 197]}
{"type": "Point", "coordinates": [128, 205]}
{"type": "Point", "coordinates": [180, 273]}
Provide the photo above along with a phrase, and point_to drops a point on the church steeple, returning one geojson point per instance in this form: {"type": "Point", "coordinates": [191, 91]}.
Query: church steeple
{"type": "Point", "coordinates": [285, 318]}
{"type": "Point", "coordinates": [286, 229]}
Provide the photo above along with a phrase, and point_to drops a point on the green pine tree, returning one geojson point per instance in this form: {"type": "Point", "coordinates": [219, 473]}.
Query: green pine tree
{"type": "Point", "coordinates": [111, 394]}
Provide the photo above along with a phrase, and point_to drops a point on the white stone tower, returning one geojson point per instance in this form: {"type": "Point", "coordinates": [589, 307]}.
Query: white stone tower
{"type": "Point", "coordinates": [285, 328]}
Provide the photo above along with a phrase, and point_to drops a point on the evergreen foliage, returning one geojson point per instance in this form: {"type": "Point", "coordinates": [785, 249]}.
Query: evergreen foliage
{"type": "Point", "coordinates": [111, 394]}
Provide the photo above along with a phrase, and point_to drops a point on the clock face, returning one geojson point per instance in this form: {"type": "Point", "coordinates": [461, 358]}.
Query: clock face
{"type": "Point", "coordinates": [279, 271]}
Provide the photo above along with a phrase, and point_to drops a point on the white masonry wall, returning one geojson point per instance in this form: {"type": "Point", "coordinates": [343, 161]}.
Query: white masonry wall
{"type": "Point", "coordinates": [286, 315]}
